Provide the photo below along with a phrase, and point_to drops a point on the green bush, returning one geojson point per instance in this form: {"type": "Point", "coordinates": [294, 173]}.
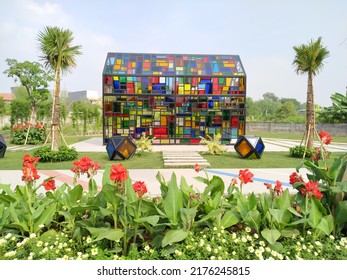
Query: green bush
{"type": "Point", "coordinates": [64, 153]}
{"type": "Point", "coordinates": [36, 136]}
{"type": "Point", "coordinates": [298, 152]}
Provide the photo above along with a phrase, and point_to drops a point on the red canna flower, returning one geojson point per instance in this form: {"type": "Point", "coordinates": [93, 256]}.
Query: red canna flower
{"type": "Point", "coordinates": [295, 177]}
{"type": "Point", "coordinates": [140, 188]}
{"type": "Point", "coordinates": [234, 181]}
{"type": "Point", "coordinates": [49, 185]}
{"type": "Point", "coordinates": [28, 159]}
{"type": "Point", "coordinates": [245, 176]}
{"type": "Point", "coordinates": [311, 189]}
{"type": "Point", "coordinates": [85, 165]}
{"type": "Point", "coordinates": [268, 186]}
{"type": "Point", "coordinates": [278, 187]}
{"type": "Point", "coordinates": [118, 173]}
{"type": "Point", "coordinates": [325, 137]}
{"type": "Point", "coordinates": [197, 167]}
{"type": "Point", "coordinates": [29, 172]}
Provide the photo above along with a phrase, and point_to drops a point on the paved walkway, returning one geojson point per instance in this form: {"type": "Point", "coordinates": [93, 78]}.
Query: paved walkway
{"type": "Point", "coordinates": [261, 175]}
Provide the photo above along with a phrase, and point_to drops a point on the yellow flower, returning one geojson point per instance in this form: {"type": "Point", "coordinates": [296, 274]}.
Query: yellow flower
{"type": "Point", "coordinates": [94, 251]}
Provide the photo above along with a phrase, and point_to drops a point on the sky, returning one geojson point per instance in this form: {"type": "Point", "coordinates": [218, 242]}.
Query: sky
{"type": "Point", "coordinates": [261, 32]}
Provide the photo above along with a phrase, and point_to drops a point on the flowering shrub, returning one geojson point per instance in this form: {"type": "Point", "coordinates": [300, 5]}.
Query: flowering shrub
{"type": "Point", "coordinates": [37, 133]}
{"type": "Point", "coordinates": [119, 220]}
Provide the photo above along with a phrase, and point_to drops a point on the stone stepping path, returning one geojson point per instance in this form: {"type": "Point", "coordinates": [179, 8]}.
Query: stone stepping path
{"type": "Point", "coordinates": [183, 159]}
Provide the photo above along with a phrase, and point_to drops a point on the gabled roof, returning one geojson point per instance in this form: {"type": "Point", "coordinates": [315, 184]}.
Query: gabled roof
{"type": "Point", "coordinates": [173, 64]}
{"type": "Point", "coordinates": [7, 96]}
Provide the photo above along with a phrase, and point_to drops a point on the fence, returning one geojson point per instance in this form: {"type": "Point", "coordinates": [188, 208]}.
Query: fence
{"type": "Point", "coordinates": [289, 127]}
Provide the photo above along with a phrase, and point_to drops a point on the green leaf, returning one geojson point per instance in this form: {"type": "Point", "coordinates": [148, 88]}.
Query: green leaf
{"type": "Point", "coordinates": [106, 176]}
{"type": "Point", "coordinates": [45, 217]}
{"type": "Point", "coordinates": [341, 213]}
{"type": "Point", "coordinates": [188, 216]}
{"type": "Point", "coordinates": [283, 201]}
{"type": "Point", "coordinates": [152, 220]}
{"type": "Point", "coordinates": [111, 194]}
{"type": "Point", "coordinates": [253, 219]}
{"type": "Point", "coordinates": [315, 214]}
{"type": "Point", "coordinates": [211, 215]}
{"type": "Point", "coordinates": [294, 212]}
{"type": "Point", "coordinates": [105, 233]}
{"type": "Point", "coordinates": [229, 219]}
{"type": "Point", "coordinates": [326, 224]}
{"type": "Point", "coordinates": [252, 201]}
{"type": "Point", "coordinates": [6, 199]}
{"type": "Point", "coordinates": [173, 201]}
{"type": "Point", "coordinates": [75, 194]}
{"type": "Point", "coordinates": [271, 235]}
{"type": "Point", "coordinates": [281, 217]}
{"type": "Point", "coordinates": [38, 211]}
{"type": "Point", "coordinates": [92, 187]}
{"type": "Point", "coordinates": [174, 236]}
{"type": "Point", "coordinates": [290, 232]}
{"type": "Point", "coordinates": [83, 209]}
{"type": "Point", "coordinates": [130, 193]}
{"type": "Point", "coordinates": [7, 189]}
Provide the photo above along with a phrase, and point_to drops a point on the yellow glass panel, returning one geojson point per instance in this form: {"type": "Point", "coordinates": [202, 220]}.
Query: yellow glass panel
{"type": "Point", "coordinates": [187, 86]}
{"type": "Point", "coordinates": [115, 78]}
{"type": "Point", "coordinates": [243, 148]}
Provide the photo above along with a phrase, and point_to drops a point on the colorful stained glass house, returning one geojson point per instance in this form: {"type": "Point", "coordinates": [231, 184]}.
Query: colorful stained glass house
{"type": "Point", "coordinates": [175, 98]}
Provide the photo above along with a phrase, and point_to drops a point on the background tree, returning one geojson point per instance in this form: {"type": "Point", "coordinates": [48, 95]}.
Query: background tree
{"type": "Point", "coordinates": [58, 54]}
{"type": "Point", "coordinates": [309, 60]}
{"type": "Point", "coordinates": [34, 79]}
{"type": "Point", "coordinates": [337, 113]}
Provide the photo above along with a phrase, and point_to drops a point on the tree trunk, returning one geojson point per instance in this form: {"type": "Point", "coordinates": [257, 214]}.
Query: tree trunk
{"type": "Point", "coordinates": [55, 112]}
{"type": "Point", "coordinates": [310, 113]}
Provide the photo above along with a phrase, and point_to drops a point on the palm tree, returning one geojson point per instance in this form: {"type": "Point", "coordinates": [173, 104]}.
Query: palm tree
{"type": "Point", "coordinates": [60, 55]}
{"type": "Point", "coordinates": [309, 59]}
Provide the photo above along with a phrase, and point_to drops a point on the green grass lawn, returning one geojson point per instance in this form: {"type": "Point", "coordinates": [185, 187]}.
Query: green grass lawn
{"type": "Point", "coordinates": [13, 161]}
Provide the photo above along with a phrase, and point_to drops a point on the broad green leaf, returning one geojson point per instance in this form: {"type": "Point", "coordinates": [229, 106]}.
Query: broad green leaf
{"type": "Point", "coordinates": [4, 198]}
{"type": "Point", "coordinates": [326, 224]}
{"type": "Point", "coordinates": [271, 235]}
{"type": "Point", "coordinates": [341, 213]}
{"type": "Point", "coordinates": [130, 193]}
{"type": "Point", "coordinates": [7, 189]}
{"type": "Point", "coordinates": [281, 217]}
{"type": "Point", "coordinates": [38, 211]}
{"type": "Point", "coordinates": [173, 201]}
{"type": "Point", "coordinates": [106, 176]}
{"type": "Point", "coordinates": [92, 187]}
{"type": "Point", "coordinates": [45, 217]}
{"type": "Point", "coordinates": [83, 209]}
{"type": "Point", "coordinates": [315, 215]}
{"type": "Point", "coordinates": [340, 187]}
{"type": "Point", "coordinates": [253, 219]}
{"type": "Point", "coordinates": [210, 216]}
{"type": "Point", "coordinates": [75, 194]}
{"type": "Point", "coordinates": [229, 219]}
{"type": "Point", "coordinates": [105, 233]}
{"type": "Point", "coordinates": [252, 201]}
{"type": "Point", "coordinates": [152, 220]}
{"type": "Point", "coordinates": [290, 232]}
{"type": "Point", "coordinates": [111, 194]}
{"type": "Point", "coordinates": [22, 226]}
{"type": "Point", "coordinates": [294, 212]}
{"type": "Point", "coordinates": [188, 216]}
{"type": "Point", "coordinates": [283, 201]}
{"type": "Point", "coordinates": [174, 236]}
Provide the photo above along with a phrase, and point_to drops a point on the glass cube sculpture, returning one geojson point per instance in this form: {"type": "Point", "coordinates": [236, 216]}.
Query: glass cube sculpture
{"type": "Point", "coordinates": [249, 146]}
{"type": "Point", "coordinates": [119, 148]}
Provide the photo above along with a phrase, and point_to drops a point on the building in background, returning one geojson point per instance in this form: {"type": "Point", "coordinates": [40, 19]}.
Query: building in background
{"type": "Point", "coordinates": [175, 98]}
{"type": "Point", "coordinates": [84, 95]}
